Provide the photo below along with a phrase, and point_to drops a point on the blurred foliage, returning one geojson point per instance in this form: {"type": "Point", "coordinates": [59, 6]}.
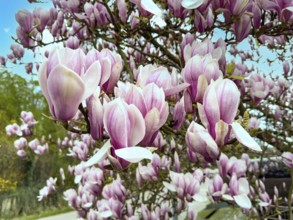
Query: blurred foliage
{"type": "Point", "coordinates": [6, 185]}
{"type": "Point", "coordinates": [26, 174]}
{"type": "Point", "coordinates": [22, 202]}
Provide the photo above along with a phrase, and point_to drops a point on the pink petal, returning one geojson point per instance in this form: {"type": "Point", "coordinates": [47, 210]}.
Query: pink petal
{"type": "Point", "coordinates": [72, 59]}
{"type": "Point", "coordinates": [95, 113]}
{"type": "Point", "coordinates": [137, 126]}
{"type": "Point", "coordinates": [43, 80]}
{"type": "Point", "coordinates": [66, 90]}
{"type": "Point", "coordinates": [91, 79]}
{"type": "Point", "coordinates": [211, 107]}
{"type": "Point", "coordinates": [154, 96]}
{"type": "Point", "coordinates": [176, 89]}
{"type": "Point", "coordinates": [115, 122]}
{"type": "Point", "coordinates": [106, 69]}
{"type": "Point", "coordinates": [152, 120]}
{"type": "Point", "coordinates": [202, 116]}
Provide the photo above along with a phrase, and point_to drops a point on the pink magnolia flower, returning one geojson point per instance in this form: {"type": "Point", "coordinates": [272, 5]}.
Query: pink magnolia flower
{"type": "Point", "coordinates": [111, 67]}
{"type": "Point", "coordinates": [200, 141]}
{"type": "Point", "coordinates": [218, 188]}
{"type": "Point", "coordinates": [198, 72]}
{"type": "Point", "coordinates": [17, 51]}
{"type": "Point", "coordinates": [65, 83]}
{"type": "Point", "coordinates": [20, 143]}
{"type": "Point", "coordinates": [220, 104]}
{"type": "Point", "coordinates": [29, 68]}
{"type": "Point", "coordinates": [121, 5]}
{"type": "Point", "coordinates": [177, 9]}
{"type": "Point", "coordinates": [186, 185]}
{"type": "Point", "coordinates": [41, 18]}
{"type": "Point", "coordinates": [179, 114]}
{"type": "Point", "coordinates": [161, 77]}
{"type": "Point", "coordinates": [238, 192]}
{"type": "Point", "coordinates": [288, 159]}
{"type": "Point", "coordinates": [242, 27]}
{"type": "Point", "coordinates": [151, 102]}
{"type": "Point", "coordinates": [95, 113]}
{"type": "Point", "coordinates": [217, 113]}
{"type": "Point", "coordinates": [125, 125]}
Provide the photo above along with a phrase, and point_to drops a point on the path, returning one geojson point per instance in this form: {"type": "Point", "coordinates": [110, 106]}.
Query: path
{"type": "Point", "coordinates": [64, 216]}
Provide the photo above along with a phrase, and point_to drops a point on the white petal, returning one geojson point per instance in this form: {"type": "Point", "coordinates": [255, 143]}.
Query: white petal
{"type": "Point", "coordinates": [134, 154]}
{"type": "Point", "coordinates": [169, 186]}
{"type": "Point", "coordinates": [199, 197]}
{"type": "Point", "coordinates": [290, 8]}
{"type": "Point", "coordinates": [264, 204]}
{"type": "Point", "coordinates": [87, 205]}
{"type": "Point", "coordinates": [243, 185]}
{"type": "Point", "coordinates": [106, 214]}
{"type": "Point", "coordinates": [77, 179]}
{"type": "Point", "coordinates": [99, 156]}
{"type": "Point", "coordinates": [157, 19]}
{"type": "Point", "coordinates": [91, 79]}
{"type": "Point", "coordinates": [244, 138]}
{"type": "Point", "coordinates": [192, 4]}
{"type": "Point", "coordinates": [243, 201]}
{"type": "Point", "coordinates": [151, 7]}
{"type": "Point", "coordinates": [227, 197]}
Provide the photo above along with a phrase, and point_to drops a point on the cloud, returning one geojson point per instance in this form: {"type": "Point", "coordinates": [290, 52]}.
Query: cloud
{"type": "Point", "coordinates": [6, 30]}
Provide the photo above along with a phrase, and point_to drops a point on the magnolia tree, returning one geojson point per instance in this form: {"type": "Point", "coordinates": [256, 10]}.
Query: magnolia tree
{"type": "Point", "coordinates": [161, 103]}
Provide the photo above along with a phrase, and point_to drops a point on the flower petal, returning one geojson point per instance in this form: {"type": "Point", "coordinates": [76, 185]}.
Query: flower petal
{"type": "Point", "coordinates": [115, 122]}
{"type": "Point", "coordinates": [43, 80]}
{"type": "Point", "coordinates": [134, 154]}
{"type": "Point", "coordinates": [176, 89]}
{"type": "Point", "coordinates": [91, 79]}
{"type": "Point", "coordinates": [169, 186]}
{"type": "Point", "coordinates": [192, 4]}
{"type": "Point", "coordinates": [243, 201]}
{"type": "Point", "coordinates": [264, 204]}
{"type": "Point", "coordinates": [221, 129]}
{"type": "Point", "coordinates": [152, 120]}
{"type": "Point", "coordinates": [100, 155]}
{"type": "Point", "coordinates": [66, 90]}
{"type": "Point", "coordinates": [137, 124]}
{"type": "Point", "coordinates": [227, 197]}
{"type": "Point", "coordinates": [106, 214]}
{"type": "Point", "coordinates": [244, 138]}
{"type": "Point", "coordinates": [211, 107]}
{"type": "Point", "coordinates": [151, 7]}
